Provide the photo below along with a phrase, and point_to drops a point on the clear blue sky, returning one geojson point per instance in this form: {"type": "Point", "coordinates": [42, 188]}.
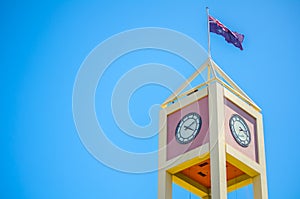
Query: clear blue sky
{"type": "Point", "coordinates": [44, 44]}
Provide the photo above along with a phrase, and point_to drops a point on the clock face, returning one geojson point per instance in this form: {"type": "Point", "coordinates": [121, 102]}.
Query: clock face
{"type": "Point", "coordinates": [240, 130]}
{"type": "Point", "coordinates": [188, 128]}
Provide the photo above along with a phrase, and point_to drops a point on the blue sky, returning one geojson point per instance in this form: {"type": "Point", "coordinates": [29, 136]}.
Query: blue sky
{"type": "Point", "coordinates": [44, 45]}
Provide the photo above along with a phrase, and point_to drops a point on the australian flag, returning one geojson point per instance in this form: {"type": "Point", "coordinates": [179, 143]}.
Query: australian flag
{"type": "Point", "coordinates": [230, 36]}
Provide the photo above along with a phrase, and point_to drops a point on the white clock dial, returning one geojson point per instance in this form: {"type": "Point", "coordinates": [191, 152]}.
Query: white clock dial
{"type": "Point", "coordinates": [188, 128]}
{"type": "Point", "coordinates": [240, 130]}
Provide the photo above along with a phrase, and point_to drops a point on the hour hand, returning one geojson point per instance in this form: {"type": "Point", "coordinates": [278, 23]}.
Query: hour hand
{"type": "Point", "coordinates": [188, 127]}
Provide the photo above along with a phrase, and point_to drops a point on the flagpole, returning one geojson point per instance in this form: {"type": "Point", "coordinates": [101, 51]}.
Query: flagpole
{"type": "Point", "coordinates": [208, 33]}
{"type": "Point", "coordinates": [210, 65]}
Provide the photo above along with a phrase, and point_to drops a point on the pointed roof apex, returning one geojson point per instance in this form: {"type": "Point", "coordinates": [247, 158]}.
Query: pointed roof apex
{"type": "Point", "coordinates": [214, 73]}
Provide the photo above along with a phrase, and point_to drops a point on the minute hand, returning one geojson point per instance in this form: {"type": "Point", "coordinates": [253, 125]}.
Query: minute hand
{"type": "Point", "coordinates": [189, 126]}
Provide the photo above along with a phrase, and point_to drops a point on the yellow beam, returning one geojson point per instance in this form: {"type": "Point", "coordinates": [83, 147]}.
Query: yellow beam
{"type": "Point", "coordinates": [190, 185]}
{"type": "Point", "coordinates": [238, 182]}
{"type": "Point", "coordinates": [188, 163]}
{"type": "Point", "coordinates": [244, 164]}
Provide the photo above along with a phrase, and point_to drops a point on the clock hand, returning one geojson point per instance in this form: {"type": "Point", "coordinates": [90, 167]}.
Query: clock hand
{"type": "Point", "coordinates": [243, 134]}
{"type": "Point", "coordinates": [240, 128]}
{"type": "Point", "coordinates": [189, 126]}
{"type": "Point", "coordinates": [192, 123]}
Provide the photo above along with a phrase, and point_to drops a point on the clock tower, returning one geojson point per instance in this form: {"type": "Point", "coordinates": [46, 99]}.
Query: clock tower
{"type": "Point", "coordinates": [211, 139]}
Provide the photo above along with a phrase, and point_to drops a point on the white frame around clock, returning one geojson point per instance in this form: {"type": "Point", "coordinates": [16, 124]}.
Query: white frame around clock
{"type": "Point", "coordinates": [187, 139]}
{"type": "Point", "coordinates": [244, 143]}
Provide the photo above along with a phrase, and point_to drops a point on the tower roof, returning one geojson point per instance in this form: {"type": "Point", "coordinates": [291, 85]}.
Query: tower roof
{"type": "Point", "coordinates": [213, 74]}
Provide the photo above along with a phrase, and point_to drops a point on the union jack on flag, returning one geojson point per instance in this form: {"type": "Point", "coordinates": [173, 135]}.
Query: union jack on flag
{"type": "Point", "coordinates": [217, 27]}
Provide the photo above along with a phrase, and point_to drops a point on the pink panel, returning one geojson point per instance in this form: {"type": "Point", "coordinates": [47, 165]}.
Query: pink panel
{"type": "Point", "coordinates": [173, 147]}
{"type": "Point", "coordinates": [230, 109]}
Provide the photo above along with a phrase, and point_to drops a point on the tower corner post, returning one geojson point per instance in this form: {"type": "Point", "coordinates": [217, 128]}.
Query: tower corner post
{"type": "Point", "coordinates": [217, 141]}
